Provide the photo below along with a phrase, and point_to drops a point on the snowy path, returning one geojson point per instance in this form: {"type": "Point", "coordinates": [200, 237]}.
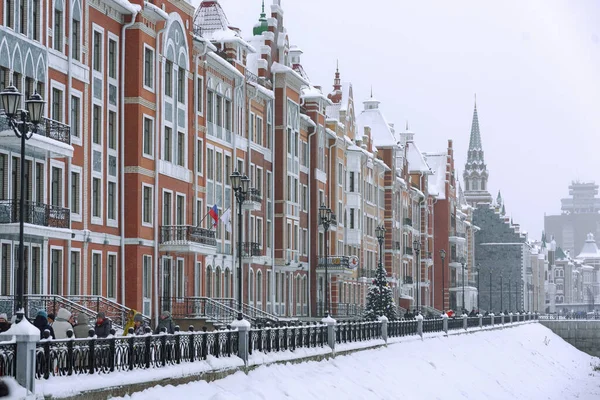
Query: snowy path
{"type": "Point", "coordinates": [527, 362]}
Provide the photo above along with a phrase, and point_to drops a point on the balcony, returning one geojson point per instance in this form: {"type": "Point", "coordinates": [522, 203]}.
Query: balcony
{"type": "Point", "coordinates": [408, 252]}
{"type": "Point", "coordinates": [40, 219]}
{"type": "Point", "coordinates": [52, 137]}
{"type": "Point", "coordinates": [353, 237]}
{"type": "Point", "coordinates": [407, 222]}
{"type": "Point", "coordinates": [187, 239]}
{"type": "Point", "coordinates": [253, 200]}
{"type": "Point", "coordinates": [408, 280]}
{"type": "Point", "coordinates": [252, 253]}
{"type": "Point", "coordinates": [335, 264]}
{"type": "Point", "coordinates": [366, 273]}
{"type": "Point", "coordinates": [456, 237]}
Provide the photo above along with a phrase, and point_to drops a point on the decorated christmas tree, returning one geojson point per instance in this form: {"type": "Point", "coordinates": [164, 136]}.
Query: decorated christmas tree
{"type": "Point", "coordinates": [380, 300]}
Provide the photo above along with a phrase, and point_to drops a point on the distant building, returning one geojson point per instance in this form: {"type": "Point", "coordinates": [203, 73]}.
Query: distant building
{"type": "Point", "coordinates": [579, 216]}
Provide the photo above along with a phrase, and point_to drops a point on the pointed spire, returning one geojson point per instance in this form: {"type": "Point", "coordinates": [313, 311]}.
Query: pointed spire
{"type": "Point", "coordinates": [503, 212]}
{"type": "Point", "coordinates": [371, 91]}
{"type": "Point", "coordinates": [475, 139]}
{"type": "Point", "coordinates": [262, 25]}
{"type": "Point", "coordinates": [337, 84]}
{"type": "Point", "coordinates": [406, 124]}
{"type": "Point", "coordinates": [499, 199]}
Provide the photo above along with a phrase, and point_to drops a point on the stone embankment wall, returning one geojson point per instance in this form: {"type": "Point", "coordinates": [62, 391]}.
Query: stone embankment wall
{"type": "Point", "coordinates": [582, 334]}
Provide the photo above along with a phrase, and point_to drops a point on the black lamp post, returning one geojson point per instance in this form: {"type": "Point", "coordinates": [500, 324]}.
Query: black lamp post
{"type": "Point", "coordinates": [509, 298]}
{"type": "Point", "coordinates": [24, 129]}
{"type": "Point", "coordinates": [417, 248]}
{"type": "Point", "coordinates": [380, 233]}
{"type": "Point", "coordinates": [443, 257]}
{"type": "Point", "coordinates": [240, 184]}
{"type": "Point", "coordinates": [478, 268]}
{"type": "Point", "coordinates": [491, 310]}
{"type": "Point", "coordinates": [326, 220]}
{"type": "Point", "coordinates": [463, 263]}
{"type": "Point", "coordinates": [501, 291]}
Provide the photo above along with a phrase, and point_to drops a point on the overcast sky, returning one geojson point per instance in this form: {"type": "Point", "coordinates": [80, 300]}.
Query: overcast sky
{"type": "Point", "coordinates": [534, 64]}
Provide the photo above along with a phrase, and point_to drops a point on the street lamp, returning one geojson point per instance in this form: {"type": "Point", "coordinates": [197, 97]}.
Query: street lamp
{"type": "Point", "coordinates": [443, 257]}
{"type": "Point", "coordinates": [240, 184]}
{"type": "Point", "coordinates": [23, 129]}
{"type": "Point", "coordinates": [463, 263]}
{"type": "Point", "coordinates": [478, 268]}
{"type": "Point", "coordinates": [380, 233]}
{"type": "Point", "coordinates": [417, 248]}
{"type": "Point", "coordinates": [326, 220]}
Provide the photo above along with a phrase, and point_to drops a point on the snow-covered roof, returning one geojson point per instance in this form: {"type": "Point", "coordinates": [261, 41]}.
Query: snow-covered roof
{"type": "Point", "coordinates": [278, 68]}
{"type": "Point", "coordinates": [214, 25]}
{"type": "Point", "coordinates": [415, 159]}
{"type": "Point", "coordinates": [333, 111]}
{"type": "Point", "coordinates": [381, 133]}
{"type": "Point", "coordinates": [345, 96]}
{"type": "Point", "coordinates": [436, 184]}
{"type": "Point", "coordinates": [590, 249]}
{"type": "Point", "coordinates": [311, 92]}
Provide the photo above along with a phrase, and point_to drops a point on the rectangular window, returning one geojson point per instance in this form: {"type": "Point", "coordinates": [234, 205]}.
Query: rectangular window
{"type": "Point", "coordinates": [148, 68]}
{"type": "Point", "coordinates": [147, 277]}
{"type": "Point", "coordinates": [181, 85]}
{"type": "Point", "coordinates": [169, 78]}
{"type": "Point", "coordinates": [56, 189]}
{"type": "Point", "coordinates": [39, 180]}
{"type": "Point", "coordinates": [96, 197]}
{"type": "Point", "coordinates": [148, 142]}
{"type": "Point", "coordinates": [112, 201]}
{"type": "Point", "coordinates": [180, 210]}
{"type": "Point", "coordinates": [168, 151]}
{"type": "Point", "coordinates": [210, 166]}
{"type": "Point", "coordinates": [111, 276]}
{"type": "Point", "coordinates": [97, 55]}
{"type": "Point", "coordinates": [57, 103]}
{"type": "Point", "coordinates": [75, 273]}
{"type": "Point", "coordinates": [56, 273]}
{"type": "Point", "coordinates": [35, 19]}
{"type": "Point", "coordinates": [180, 279]}
{"type": "Point", "coordinates": [75, 192]}
{"type": "Point", "coordinates": [219, 167]}
{"type": "Point", "coordinates": [180, 149]}
{"type": "Point", "coordinates": [199, 155]}
{"type": "Point", "coordinates": [228, 119]}
{"type": "Point", "coordinates": [96, 111]}
{"type": "Point", "coordinates": [147, 205]}
{"type": "Point", "coordinates": [352, 218]}
{"type": "Point", "coordinates": [112, 130]}
{"type": "Point", "coordinates": [251, 128]}
{"type": "Point", "coordinates": [200, 94]}
{"type": "Point", "coordinates": [219, 111]}
{"type": "Point", "coordinates": [166, 208]}
{"type": "Point", "coordinates": [259, 131]}
{"type": "Point", "coordinates": [75, 115]}
{"type": "Point", "coordinates": [6, 270]}
{"type": "Point", "coordinates": [96, 274]}
{"type": "Point", "coordinates": [351, 183]}
{"type": "Point", "coordinates": [76, 40]}
{"type": "Point", "coordinates": [58, 31]}
{"type": "Point", "coordinates": [23, 13]}
{"type": "Point", "coordinates": [227, 169]}
{"type": "Point", "coordinates": [209, 106]}
{"type": "Point", "coordinates": [112, 59]}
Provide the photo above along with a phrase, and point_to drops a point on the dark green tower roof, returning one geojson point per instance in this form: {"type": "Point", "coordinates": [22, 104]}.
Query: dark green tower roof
{"type": "Point", "coordinates": [262, 25]}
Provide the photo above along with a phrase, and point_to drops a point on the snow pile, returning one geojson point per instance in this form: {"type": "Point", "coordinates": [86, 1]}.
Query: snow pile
{"type": "Point", "coordinates": [525, 362]}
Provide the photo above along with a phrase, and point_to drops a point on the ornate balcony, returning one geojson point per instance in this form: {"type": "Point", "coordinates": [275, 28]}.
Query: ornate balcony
{"type": "Point", "coordinates": [253, 200]}
{"type": "Point", "coordinates": [335, 264]}
{"type": "Point", "coordinates": [408, 280]}
{"type": "Point", "coordinates": [51, 136]}
{"type": "Point", "coordinates": [408, 252]}
{"type": "Point", "coordinates": [56, 219]}
{"type": "Point", "coordinates": [188, 239]}
{"type": "Point", "coordinates": [251, 252]}
{"type": "Point", "coordinates": [367, 273]}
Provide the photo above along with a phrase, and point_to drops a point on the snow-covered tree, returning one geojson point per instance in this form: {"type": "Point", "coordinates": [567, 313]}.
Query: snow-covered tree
{"type": "Point", "coordinates": [380, 300]}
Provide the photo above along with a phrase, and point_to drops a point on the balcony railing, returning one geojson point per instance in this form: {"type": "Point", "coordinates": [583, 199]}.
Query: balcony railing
{"type": "Point", "coordinates": [367, 273]}
{"type": "Point", "coordinates": [35, 213]}
{"type": "Point", "coordinates": [397, 246]}
{"type": "Point", "coordinates": [48, 127]}
{"type": "Point", "coordinates": [335, 262]}
{"type": "Point", "coordinates": [197, 29]}
{"type": "Point", "coordinates": [251, 249]}
{"type": "Point", "coordinates": [254, 195]}
{"type": "Point", "coordinates": [453, 233]}
{"type": "Point", "coordinates": [179, 234]}
{"type": "Point", "coordinates": [408, 221]}
{"type": "Point", "coordinates": [408, 280]}
{"type": "Point", "coordinates": [408, 251]}
{"type": "Point", "coordinates": [250, 77]}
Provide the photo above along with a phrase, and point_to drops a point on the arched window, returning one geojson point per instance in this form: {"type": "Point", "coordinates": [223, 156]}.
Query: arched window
{"type": "Point", "coordinates": [209, 282]}
{"type": "Point", "coordinates": [259, 287]}
{"type": "Point", "coordinates": [218, 282]}
{"type": "Point", "coordinates": [227, 283]}
{"type": "Point", "coordinates": [304, 296]}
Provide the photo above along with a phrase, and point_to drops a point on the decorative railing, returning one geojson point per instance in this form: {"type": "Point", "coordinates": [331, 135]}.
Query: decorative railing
{"type": "Point", "coordinates": [251, 313]}
{"type": "Point", "coordinates": [200, 307]}
{"type": "Point", "coordinates": [8, 358]}
{"type": "Point", "coordinates": [402, 328]}
{"type": "Point", "coordinates": [334, 262]}
{"type": "Point", "coordinates": [408, 280]}
{"type": "Point", "coordinates": [433, 325]}
{"type": "Point", "coordinates": [366, 273]}
{"type": "Point", "coordinates": [254, 195]}
{"type": "Point", "coordinates": [341, 310]}
{"type": "Point", "coordinates": [268, 340]}
{"type": "Point", "coordinates": [472, 322]}
{"type": "Point", "coordinates": [182, 234]}
{"type": "Point", "coordinates": [69, 357]}
{"type": "Point", "coordinates": [250, 77]}
{"type": "Point", "coordinates": [35, 213]}
{"type": "Point", "coordinates": [357, 331]}
{"type": "Point", "coordinates": [251, 249]}
{"type": "Point", "coordinates": [455, 323]}
{"type": "Point", "coordinates": [407, 221]}
{"type": "Point", "coordinates": [116, 312]}
{"type": "Point", "coordinates": [47, 127]}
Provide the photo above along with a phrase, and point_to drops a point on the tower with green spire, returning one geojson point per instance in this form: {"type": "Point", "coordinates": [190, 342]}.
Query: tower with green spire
{"type": "Point", "coordinates": [476, 174]}
{"type": "Point", "coordinates": [262, 25]}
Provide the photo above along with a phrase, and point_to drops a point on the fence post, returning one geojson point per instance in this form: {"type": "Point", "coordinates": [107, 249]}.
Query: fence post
{"type": "Point", "coordinates": [331, 325]}
{"type": "Point", "coordinates": [445, 323]}
{"type": "Point", "coordinates": [502, 315]}
{"type": "Point", "coordinates": [243, 328]}
{"type": "Point", "coordinates": [419, 319]}
{"type": "Point", "coordinates": [510, 318]}
{"type": "Point", "coordinates": [384, 328]}
{"type": "Point", "coordinates": [480, 320]}
{"type": "Point", "coordinates": [465, 321]}
{"type": "Point", "coordinates": [26, 339]}
{"type": "Point", "coordinates": [492, 318]}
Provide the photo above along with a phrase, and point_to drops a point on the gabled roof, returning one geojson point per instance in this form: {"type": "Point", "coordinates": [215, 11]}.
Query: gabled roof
{"type": "Point", "coordinates": [381, 133]}
{"type": "Point", "coordinates": [590, 249]}
{"type": "Point", "coordinates": [415, 159]}
{"type": "Point", "coordinates": [436, 184]}
{"type": "Point", "coordinates": [210, 17]}
{"type": "Point", "coordinates": [560, 254]}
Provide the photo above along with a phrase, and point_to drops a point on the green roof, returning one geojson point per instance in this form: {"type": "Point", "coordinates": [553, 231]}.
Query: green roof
{"type": "Point", "coordinates": [560, 254]}
{"type": "Point", "coordinates": [262, 25]}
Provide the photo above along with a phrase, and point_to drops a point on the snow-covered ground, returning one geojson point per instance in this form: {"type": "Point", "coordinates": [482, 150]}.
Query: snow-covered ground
{"type": "Point", "coordinates": [525, 362]}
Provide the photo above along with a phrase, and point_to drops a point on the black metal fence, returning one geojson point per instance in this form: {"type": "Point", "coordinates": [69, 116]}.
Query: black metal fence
{"type": "Point", "coordinates": [125, 353]}
{"type": "Point", "coordinates": [267, 340]}
{"type": "Point", "coordinates": [472, 322]}
{"type": "Point", "coordinates": [357, 331]}
{"type": "Point", "coordinates": [177, 234]}
{"type": "Point", "coordinates": [402, 328]}
{"type": "Point", "coordinates": [8, 358]}
{"type": "Point", "coordinates": [35, 213]}
{"type": "Point", "coordinates": [433, 325]}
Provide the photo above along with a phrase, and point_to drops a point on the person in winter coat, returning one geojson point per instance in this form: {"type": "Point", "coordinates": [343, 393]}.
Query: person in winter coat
{"type": "Point", "coordinates": [62, 323]}
{"type": "Point", "coordinates": [41, 322]}
{"type": "Point", "coordinates": [166, 322]}
{"type": "Point", "coordinates": [82, 328]}
{"type": "Point", "coordinates": [4, 324]}
{"type": "Point", "coordinates": [129, 324]}
{"type": "Point", "coordinates": [139, 325]}
{"type": "Point", "coordinates": [103, 325]}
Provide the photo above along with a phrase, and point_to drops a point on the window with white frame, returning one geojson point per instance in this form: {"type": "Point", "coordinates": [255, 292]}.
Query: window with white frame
{"type": "Point", "coordinates": [147, 206]}
{"type": "Point", "coordinates": [259, 130]}
{"type": "Point", "coordinates": [58, 31]}
{"type": "Point", "coordinates": [96, 198]}
{"type": "Point", "coordinates": [199, 155]}
{"type": "Point", "coordinates": [180, 149]}
{"type": "Point", "coordinates": [200, 94]}
{"type": "Point", "coordinates": [56, 271]}
{"type": "Point", "coordinates": [111, 276]}
{"type": "Point", "coordinates": [96, 124]}
{"type": "Point", "coordinates": [75, 192]}
{"type": "Point", "coordinates": [112, 130]}
{"type": "Point", "coordinates": [148, 68]}
{"type": "Point", "coordinates": [180, 287]}
{"type": "Point", "coordinates": [96, 274]}
{"type": "Point", "coordinates": [167, 208]}
{"type": "Point", "coordinates": [76, 37]}
{"type": "Point", "coordinates": [111, 208]}
{"type": "Point", "coordinates": [148, 137]}
{"type": "Point", "coordinates": [75, 118]}
{"type": "Point", "coordinates": [112, 58]}
{"type": "Point", "coordinates": [167, 145]}
{"type": "Point", "coordinates": [181, 85]}
{"type": "Point", "coordinates": [57, 104]}
{"type": "Point", "coordinates": [97, 51]}
{"type": "Point", "coordinates": [56, 190]}
{"type": "Point", "coordinates": [147, 276]}
{"type": "Point", "coordinates": [169, 78]}
{"type": "Point", "coordinates": [75, 273]}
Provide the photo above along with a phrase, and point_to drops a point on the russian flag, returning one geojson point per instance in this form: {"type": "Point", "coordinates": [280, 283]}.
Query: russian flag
{"type": "Point", "coordinates": [214, 213]}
